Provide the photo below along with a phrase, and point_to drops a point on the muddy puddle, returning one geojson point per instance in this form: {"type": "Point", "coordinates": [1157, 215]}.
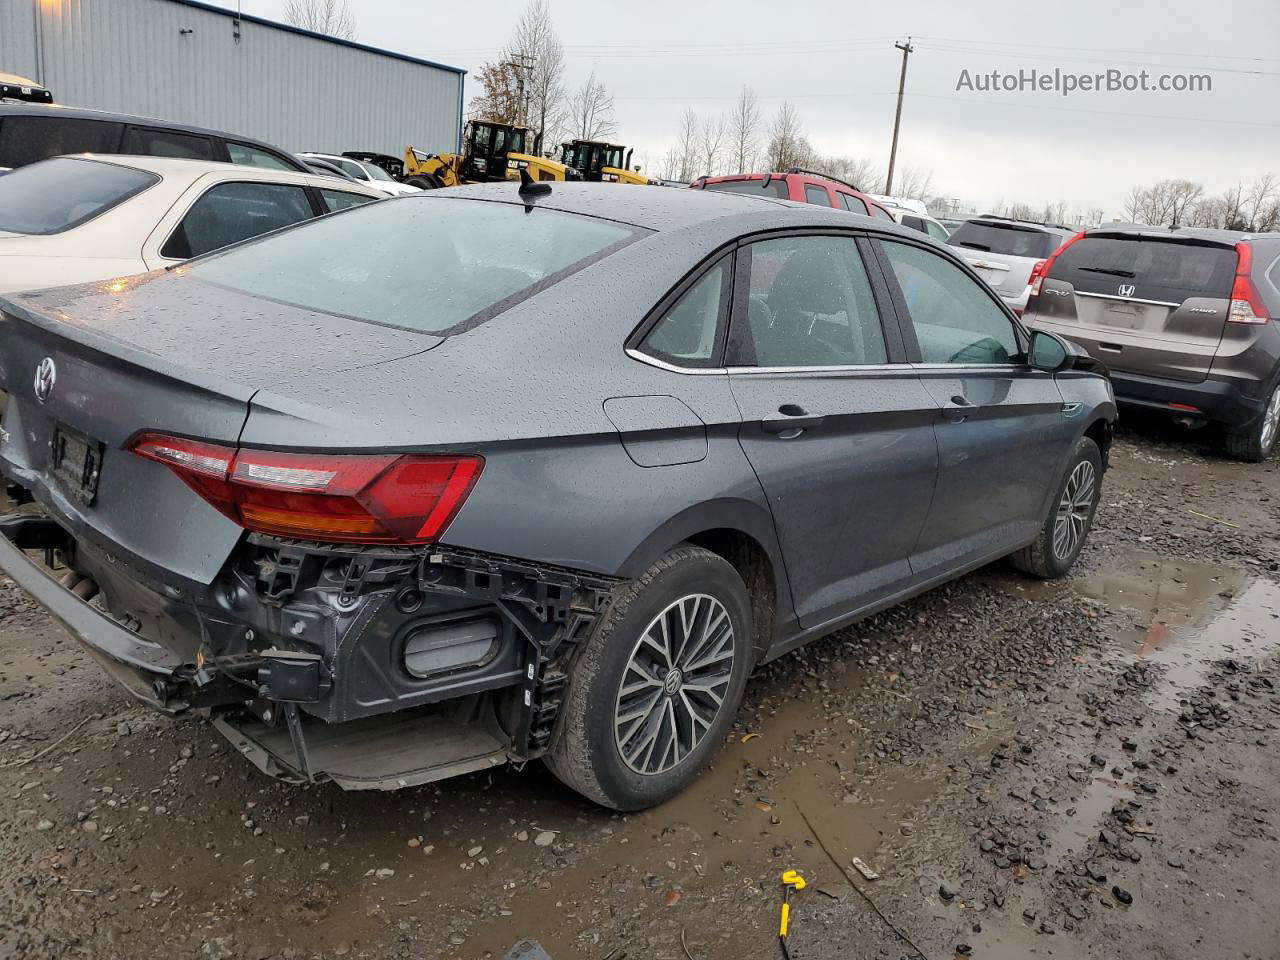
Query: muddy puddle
{"type": "Point", "coordinates": [785, 798]}
{"type": "Point", "coordinates": [1185, 617]}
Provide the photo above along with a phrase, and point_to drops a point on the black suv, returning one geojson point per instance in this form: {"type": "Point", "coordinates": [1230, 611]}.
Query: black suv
{"type": "Point", "coordinates": [30, 132]}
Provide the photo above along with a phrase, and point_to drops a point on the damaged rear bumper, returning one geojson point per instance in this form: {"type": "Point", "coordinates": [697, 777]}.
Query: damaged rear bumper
{"type": "Point", "coordinates": [137, 664]}
{"type": "Point", "coordinates": [324, 663]}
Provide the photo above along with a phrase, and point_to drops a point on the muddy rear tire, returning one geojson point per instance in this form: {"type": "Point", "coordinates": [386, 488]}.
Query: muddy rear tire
{"type": "Point", "coordinates": [1256, 444]}
{"type": "Point", "coordinates": [1070, 517]}
{"type": "Point", "coordinates": [424, 182]}
{"type": "Point", "coordinates": [658, 683]}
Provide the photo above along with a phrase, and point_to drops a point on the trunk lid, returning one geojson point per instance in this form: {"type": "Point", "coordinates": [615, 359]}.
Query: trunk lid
{"type": "Point", "coordinates": [1152, 304]}
{"type": "Point", "coordinates": [87, 368]}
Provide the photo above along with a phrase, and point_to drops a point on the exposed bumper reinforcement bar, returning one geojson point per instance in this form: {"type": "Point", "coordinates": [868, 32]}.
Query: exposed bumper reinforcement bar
{"type": "Point", "coordinates": [135, 663]}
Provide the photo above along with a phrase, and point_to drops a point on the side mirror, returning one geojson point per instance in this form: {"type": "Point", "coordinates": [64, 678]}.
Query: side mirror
{"type": "Point", "coordinates": [1048, 351]}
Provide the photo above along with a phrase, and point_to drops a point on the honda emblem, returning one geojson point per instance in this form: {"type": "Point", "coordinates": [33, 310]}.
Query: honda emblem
{"type": "Point", "coordinates": [1127, 289]}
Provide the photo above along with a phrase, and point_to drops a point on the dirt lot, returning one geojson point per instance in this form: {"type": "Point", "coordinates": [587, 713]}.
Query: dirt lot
{"type": "Point", "coordinates": [1079, 769]}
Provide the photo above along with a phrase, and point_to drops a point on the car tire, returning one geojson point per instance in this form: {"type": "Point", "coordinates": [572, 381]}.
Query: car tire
{"type": "Point", "coordinates": [1070, 517]}
{"type": "Point", "coordinates": [1256, 445]}
{"type": "Point", "coordinates": [599, 746]}
{"type": "Point", "coordinates": [424, 182]}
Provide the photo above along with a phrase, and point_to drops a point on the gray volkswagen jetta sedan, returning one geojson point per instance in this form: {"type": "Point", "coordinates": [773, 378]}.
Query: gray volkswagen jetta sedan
{"type": "Point", "coordinates": [486, 475]}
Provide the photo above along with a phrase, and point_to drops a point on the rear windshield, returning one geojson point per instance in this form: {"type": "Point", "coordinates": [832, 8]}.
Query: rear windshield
{"type": "Point", "coordinates": [433, 264]}
{"type": "Point", "coordinates": [1156, 269]}
{"type": "Point", "coordinates": [56, 195]}
{"type": "Point", "coordinates": [777, 187]}
{"type": "Point", "coordinates": [1004, 239]}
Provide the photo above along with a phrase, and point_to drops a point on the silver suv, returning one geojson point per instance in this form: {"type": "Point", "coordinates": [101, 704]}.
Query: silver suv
{"type": "Point", "coordinates": [1005, 252]}
{"type": "Point", "coordinates": [1181, 316]}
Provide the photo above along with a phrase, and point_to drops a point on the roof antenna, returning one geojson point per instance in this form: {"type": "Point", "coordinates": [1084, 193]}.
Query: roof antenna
{"type": "Point", "coordinates": [531, 188]}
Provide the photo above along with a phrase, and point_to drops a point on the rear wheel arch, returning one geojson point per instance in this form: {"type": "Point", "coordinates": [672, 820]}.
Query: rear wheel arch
{"type": "Point", "coordinates": [742, 533]}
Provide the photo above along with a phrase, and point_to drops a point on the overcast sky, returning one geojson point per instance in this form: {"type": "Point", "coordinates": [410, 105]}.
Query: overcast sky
{"type": "Point", "coordinates": [835, 61]}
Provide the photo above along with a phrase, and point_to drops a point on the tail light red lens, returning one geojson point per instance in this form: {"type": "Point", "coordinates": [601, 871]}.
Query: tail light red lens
{"type": "Point", "coordinates": [1246, 304]}
{"type": "Point", "coordinates": [337, 498]}
{"type": "Point", "coordinates": [1037, 277]}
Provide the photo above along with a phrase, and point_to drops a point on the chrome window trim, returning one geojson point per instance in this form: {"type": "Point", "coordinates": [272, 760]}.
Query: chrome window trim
{"type": "Point", "coordinates": [1109, 296]}
{"type": "Point", "coordinates": [900, 368]}
{"type": "Point", "coordinates": [639, 355]}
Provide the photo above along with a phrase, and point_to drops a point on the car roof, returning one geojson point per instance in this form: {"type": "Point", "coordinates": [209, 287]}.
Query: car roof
{"type": "Point", "coordinates": [180, 168]}
{"type": "Point", "coordinates": [1193, 233]}
{"type": "Point", "coordinates": [8, 109]}
{"type": "Point", "coordinates": [665, 208]}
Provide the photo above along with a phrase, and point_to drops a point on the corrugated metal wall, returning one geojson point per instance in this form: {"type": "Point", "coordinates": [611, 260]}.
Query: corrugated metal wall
{"type": "Point", "coordinates": [182, 62]}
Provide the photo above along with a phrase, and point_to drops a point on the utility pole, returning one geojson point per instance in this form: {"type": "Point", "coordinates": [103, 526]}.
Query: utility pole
{"type": "Point", "coordinates": [906, 49]}
{"type": "Point", "coordinates": [522, 63]}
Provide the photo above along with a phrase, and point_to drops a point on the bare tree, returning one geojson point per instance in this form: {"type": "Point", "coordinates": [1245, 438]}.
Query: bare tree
{"type": "Point", "coordinates": [537, 55]}
{"type": "Point", "coordinates": [687, 145]}
{"type": "Point", "coordinates": [744, 131]}
{"type": "Point", "coordinates": [712, 134]}
{"type": "Point", "coordinates": [915, 183]}
{"type": "Point", "coordinates": [1261, 193]}
{"type": "Point", "coordinates": [333, 18]}
{"type": "Point", "coordinates": [787, 145]}
{"type": "Point", "coordinates": [591, 111]}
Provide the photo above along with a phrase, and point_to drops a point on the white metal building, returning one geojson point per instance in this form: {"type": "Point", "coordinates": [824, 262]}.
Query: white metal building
{"type": "Point", "coordinates": [194, 63]}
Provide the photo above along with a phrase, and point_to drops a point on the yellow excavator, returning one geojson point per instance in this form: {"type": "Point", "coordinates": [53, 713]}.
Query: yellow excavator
{"type": "Point", "coordinates": [490, 151]}
{"type": "Point", "coordinates": [601, 162]}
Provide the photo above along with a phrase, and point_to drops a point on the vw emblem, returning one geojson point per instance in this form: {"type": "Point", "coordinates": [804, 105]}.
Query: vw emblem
{"type": "Point", "coordinates": [46, 375]}
{"type": "Point", "coordinates": [1127, 289]}
{"type": "Point", "coordinates": [672, 682]}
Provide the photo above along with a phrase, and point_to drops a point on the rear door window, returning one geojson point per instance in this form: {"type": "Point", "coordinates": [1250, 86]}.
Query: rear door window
{"type": "Point", "coordinates": [816, 195]}
{"type": "Point", "coordinates": [1165, 270]}
{"type": "Point", "coordinates": [230, 212]}
{"type": "Point", "coordinates": [954, 318]}
{"type": "Point", "coordinates": [937, 230]}
{"type": "Point", "coordinates": [1004, 238]}
{"type": "Point", "coordinates": [810, 305]}
{"type": "Point", "coordinates": [147, 142]}
{"type": "Point", "coordinates": [851, 203]}
{"type": "Point", "coordinates": [335, 200]}
{"type": "Point", "coordinates": [881, 212]}
{"type": "Point", "coordinates": [914, 222]}
{"type": "Point", "coordinates": [776, 188]}
{"type": "Point", "coordinates": [64, 192]}
{"type": "Point", "coordinates": [255, 157]}
{"type": "Point", "coordinates": [26, 140]}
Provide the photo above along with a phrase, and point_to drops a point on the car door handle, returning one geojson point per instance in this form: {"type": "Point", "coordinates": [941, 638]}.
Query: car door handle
{"type": "Point", "coordinates": [958, 409]}
{"type": "Point", "coordinates": [791, 421]}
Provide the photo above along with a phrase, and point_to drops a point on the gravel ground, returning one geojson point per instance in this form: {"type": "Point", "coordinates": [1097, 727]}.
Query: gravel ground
{"type": "Point", "coordinates": [1077, 769]}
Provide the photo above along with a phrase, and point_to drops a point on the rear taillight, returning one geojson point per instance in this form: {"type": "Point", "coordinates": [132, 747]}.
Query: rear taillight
{"type": "Point", "coordinates": [1246, 304]}
{"type": "Point", "coordinates": [1044, 266]}
{"type": "Point", "coordinates": [338, 498]}
{"type": "Point", "coordinates": [1037, 278]}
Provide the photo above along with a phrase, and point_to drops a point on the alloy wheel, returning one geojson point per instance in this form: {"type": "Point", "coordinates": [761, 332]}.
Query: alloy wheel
{"type": "Point", "coordinates": [1271, 420]}
{"type": "Point", "coordinates": [1073, 510]}
{"type": "Point", "coordinates": [674, 684]}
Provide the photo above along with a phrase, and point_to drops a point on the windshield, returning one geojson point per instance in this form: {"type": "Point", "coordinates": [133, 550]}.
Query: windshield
{"type": "Point", "coordinates": [469, 260]}
{"type": "Point", "coordinates": [613, 157]}
{"type": "Point", "coordinates": [1004, 239]}
{"type": "Point", "coordinates": [376, 172]}
{"type": "Point", "coordinates": [56, 195]}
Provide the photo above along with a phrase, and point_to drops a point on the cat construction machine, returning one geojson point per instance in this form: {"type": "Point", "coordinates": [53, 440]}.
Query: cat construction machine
{"type": "Point", "coordinates": [491, 151]}
{"type": "Point", "coordinates": [601, 162]}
